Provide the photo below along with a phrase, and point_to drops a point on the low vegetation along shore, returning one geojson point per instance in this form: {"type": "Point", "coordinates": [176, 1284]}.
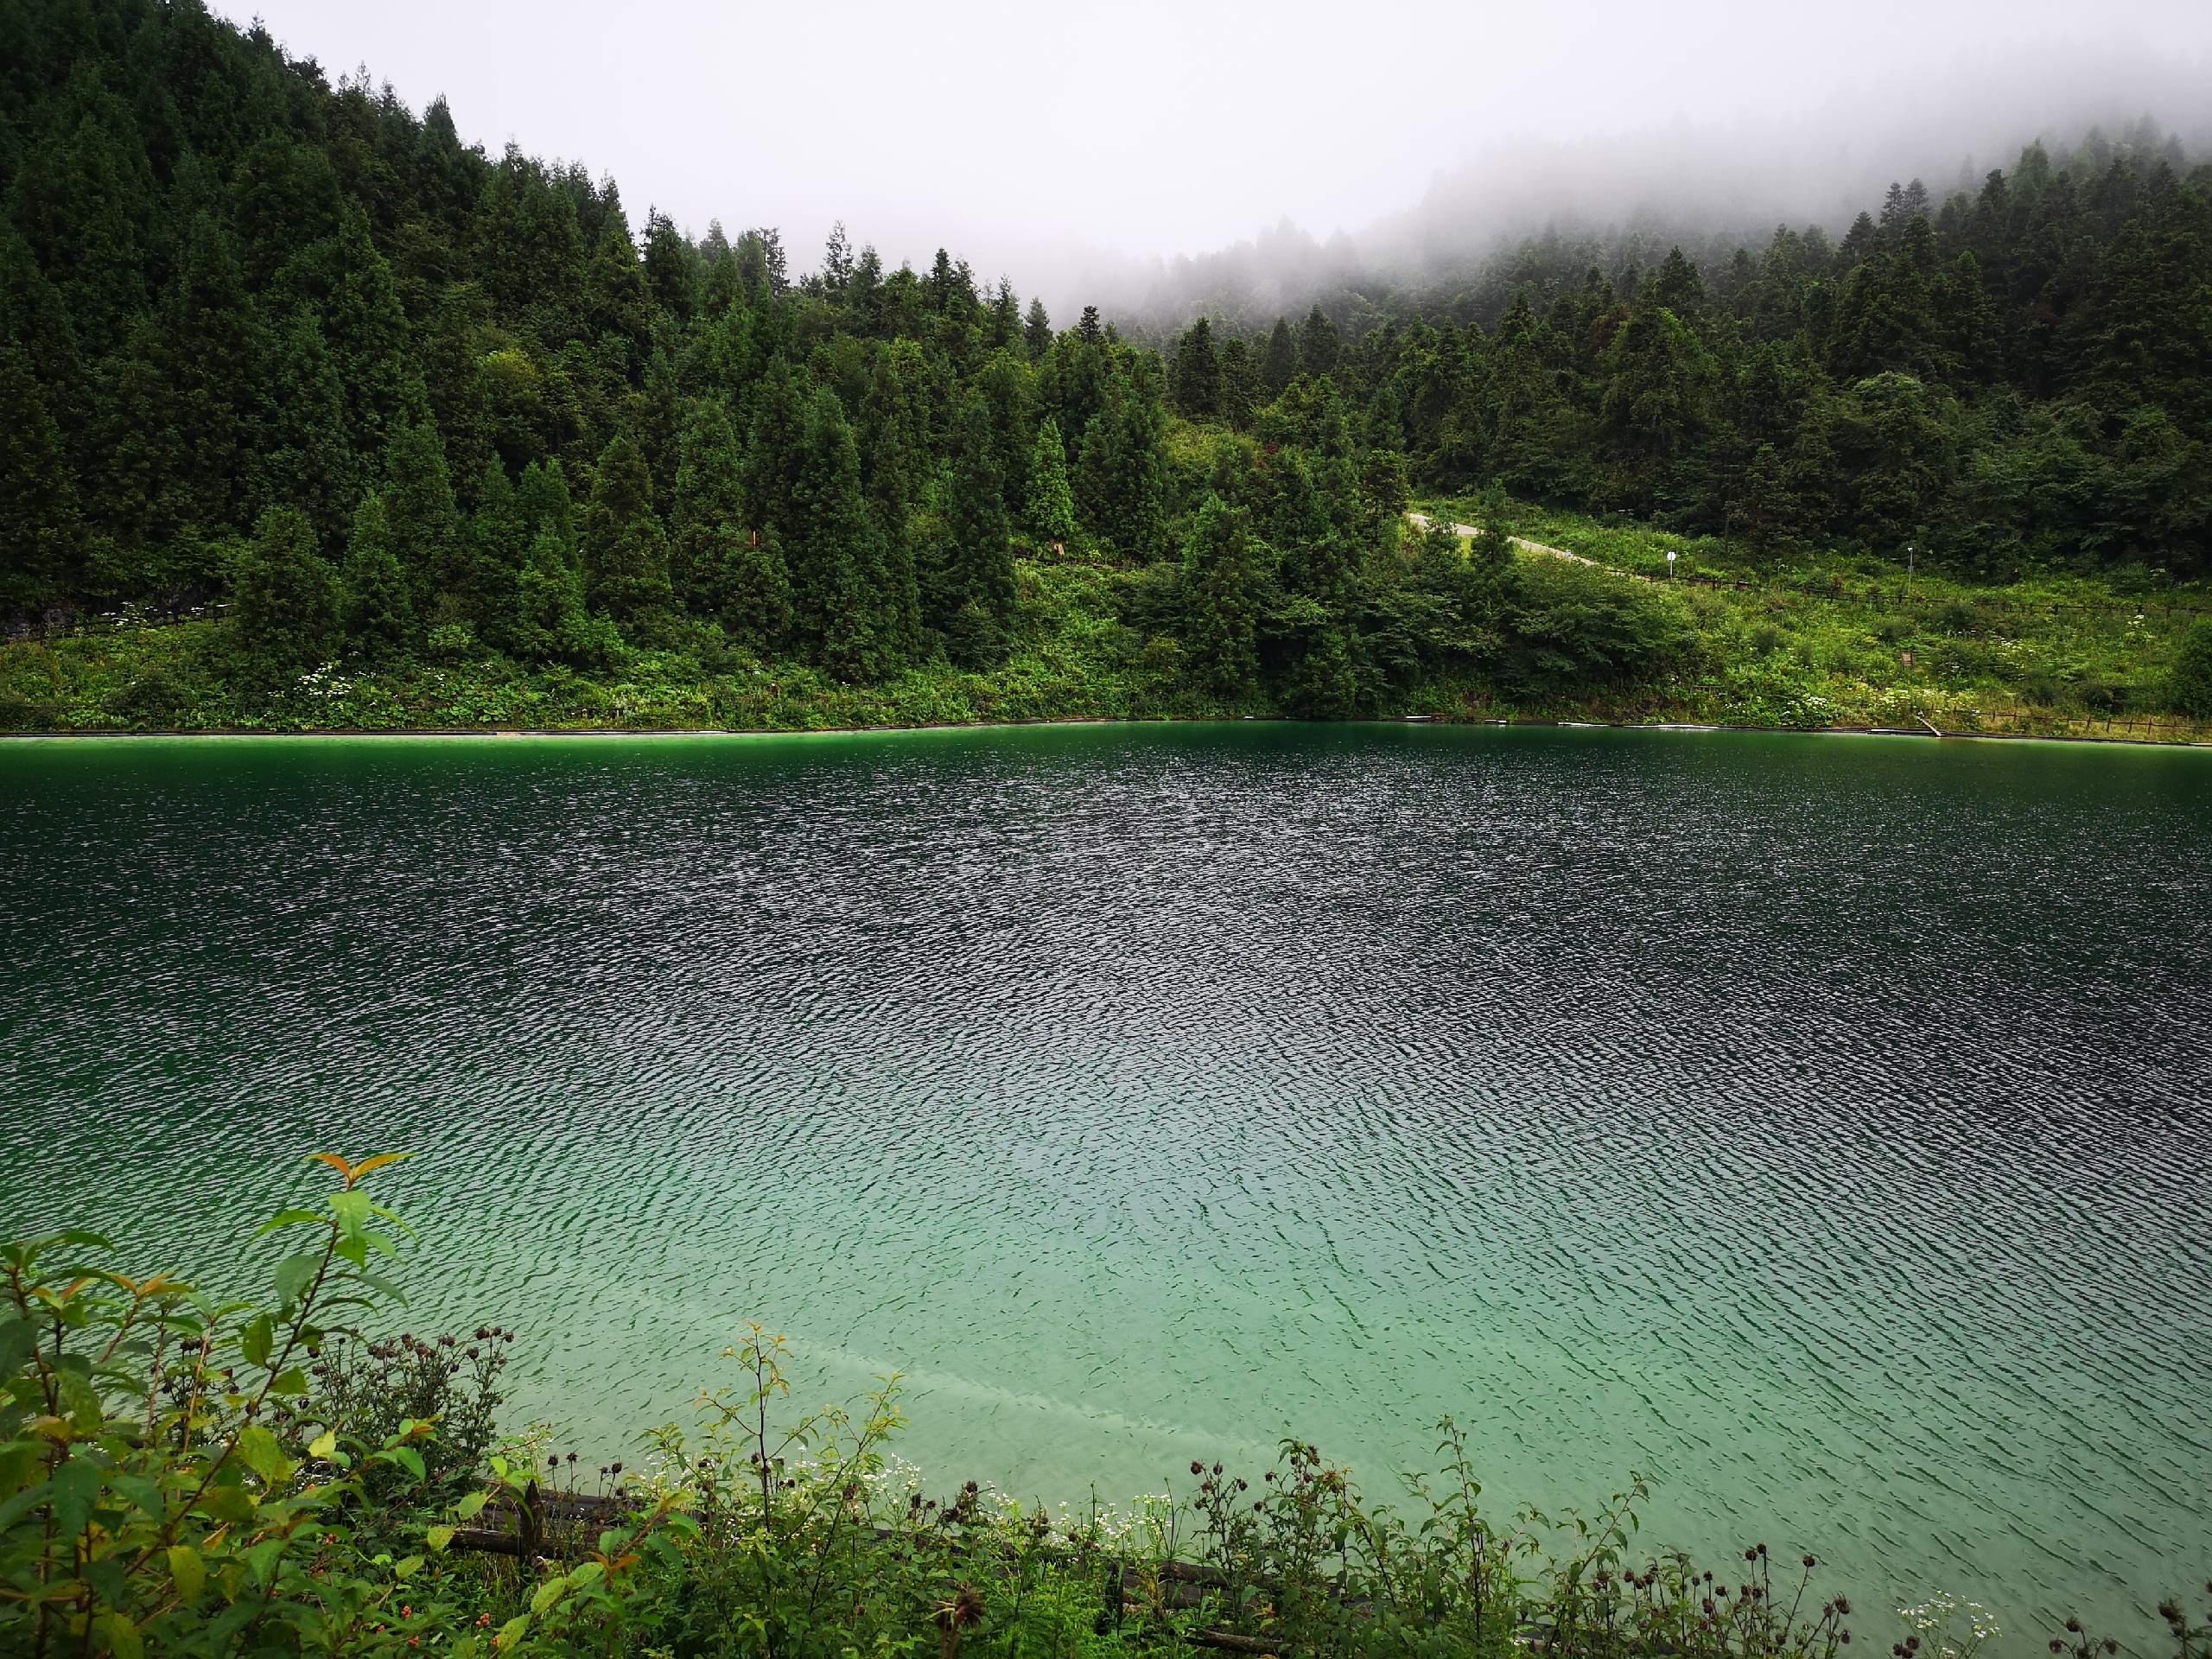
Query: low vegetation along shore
{"type": "Point", "coordinates": [183, 1474]}
{"type": "Point", "coordinates": [1839, 641]}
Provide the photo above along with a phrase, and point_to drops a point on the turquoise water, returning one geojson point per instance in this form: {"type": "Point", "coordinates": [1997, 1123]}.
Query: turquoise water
{"type": "Point", "coordinates": [1815, 1125]}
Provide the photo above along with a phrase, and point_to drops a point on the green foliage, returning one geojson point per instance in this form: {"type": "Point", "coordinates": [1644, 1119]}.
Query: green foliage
{"type": "Point", "coordinates": [1052, 503]}
{"type": "Point", "coordinates": [1221, 581]}
{"type": "Point", "coordinates": [625, 544]}
{"type": "Point", "coordinates": [2189, 687]}
{"type": "Point", "coordinates": [380, 611]}
{"type": "Point", "coordinates": [164, 1486]}
{"type": "Point", "coordinates": [286, 595]}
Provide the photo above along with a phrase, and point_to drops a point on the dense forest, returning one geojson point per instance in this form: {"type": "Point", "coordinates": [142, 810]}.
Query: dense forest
{"type": "Point", "coordinates": [287, 346]}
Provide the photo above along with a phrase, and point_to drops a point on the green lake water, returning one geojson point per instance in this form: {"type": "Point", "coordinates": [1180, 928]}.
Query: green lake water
{"type": "Point", "coordinates": [1817, 1125]}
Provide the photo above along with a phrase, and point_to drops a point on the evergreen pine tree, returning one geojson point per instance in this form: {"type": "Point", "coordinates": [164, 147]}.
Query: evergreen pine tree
{"type": "Point", "coordinates": [542, 498]}
{"type": "Point", "coordinates": [380, 613]}
{"type": "Point", "coordinates": [1280, 366]}
{"type": "Point", "coordinates": [970, 591]}
{"type": "Point", "coordinates": [551, 623]}
{"type": "Point", "coordinates": [1240, 383]}
{"type": "Point", "coordinates": [1198, 371]}
{"type": "Point", "coordinates": [1317, 343]}
{"type": "Point", "coordinates": [625, 544]}
{"type": "Point", "coordinates": [1037, 332]}
{"type": "Point", "coordinates": [419, 505]}
{"type": "Point", "coordinates": [1052, 504]}
{"type": "Point", "coordinates": [1122, 475]}
{"type": "Point", "coordinates": [1220, 585]}
{"type": "Point", "coordinates": [39, 526]}
{"type": "Point", "coordinates": [302, 457]}
{"type": "Point", "coordinates": [285, 595]}
{"type": "Point", "coordinates": [499, 546]}
{"type": "Point", "coordinates": [722, 568]}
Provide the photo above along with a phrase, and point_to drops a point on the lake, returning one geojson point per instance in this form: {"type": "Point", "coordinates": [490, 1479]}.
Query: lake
{"type": "Point", "coordinates": [1817, 1125]}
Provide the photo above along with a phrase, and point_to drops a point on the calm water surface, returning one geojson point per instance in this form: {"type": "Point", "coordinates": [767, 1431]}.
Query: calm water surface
{"type": "Point", "coordinates": [1819, 1125]}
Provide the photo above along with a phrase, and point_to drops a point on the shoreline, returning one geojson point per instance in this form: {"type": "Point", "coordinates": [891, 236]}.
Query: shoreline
{"type": "Point", "coordinates": [516, 732]}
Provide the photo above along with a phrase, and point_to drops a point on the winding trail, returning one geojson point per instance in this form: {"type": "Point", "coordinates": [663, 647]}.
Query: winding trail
{"type": "Point", "coordinates": [1420, 521]}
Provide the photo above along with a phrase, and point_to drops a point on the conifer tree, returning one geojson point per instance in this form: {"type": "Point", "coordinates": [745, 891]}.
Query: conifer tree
{"type": "Point", "coordinates": [1221, 583]}
{"type": "Point", "coordinates": [722, 567]}
{"type": "Point", "coordinates": [418, 504]}
{"type": "Point", "coordinates": [380, 613]}
{"type": "Point", "coordinates": [625, 544]}
{"type": "Point", "coordinates": [285, 595]}
{"type": "Point", "coordinates": [1122, 475]}
{"type": "Point", "coordinates": [542, 499]}
{"type": "Point", "coordinates": [1037, 332]}
{"type": "Point", "coordinates": [39, 524]}
{"type": "Point", "coordinates": [1240, 383]}
{"type": "Point", "coordinates": [971, 591]}
{"type": "Point", "coordinates": [1198, 371]}
{"type": "Point", "coordinates": [1052, 503]}
{"type": "Point", "coordinates": [302, 457]}
{"type": "Point", "coordinates": [1317, 343]}
{"type": "Point", "coordinates": [1280, 366]}
{"type": "Point", "coordinates": [499, 546]}
{"type": "Point", "coordinates": [551, 623]}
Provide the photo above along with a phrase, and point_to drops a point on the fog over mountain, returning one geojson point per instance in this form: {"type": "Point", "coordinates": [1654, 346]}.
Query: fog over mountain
{"type": "Point", "coordinates": [1133, 157]}
{"type": "Point", "coordinates": [1708, 185]}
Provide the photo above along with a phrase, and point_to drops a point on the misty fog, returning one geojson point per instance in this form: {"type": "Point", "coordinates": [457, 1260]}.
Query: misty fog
{"type": "Point", "coordinates": [1157, 159]}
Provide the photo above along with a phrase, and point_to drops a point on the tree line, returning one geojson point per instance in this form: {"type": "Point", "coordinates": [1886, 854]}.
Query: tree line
{"type": "Point", "coordinates": [285, 341]}
{"type": "Point", "coordinates": [2018, 378]}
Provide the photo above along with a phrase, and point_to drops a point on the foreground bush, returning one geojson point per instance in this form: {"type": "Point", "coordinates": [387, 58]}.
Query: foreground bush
{"type": "Point", "coordinates": [185, 1475]}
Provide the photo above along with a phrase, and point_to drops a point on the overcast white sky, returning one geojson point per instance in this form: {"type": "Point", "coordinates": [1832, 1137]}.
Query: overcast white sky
{"type": "Point", "coordinates": [1021, 132]}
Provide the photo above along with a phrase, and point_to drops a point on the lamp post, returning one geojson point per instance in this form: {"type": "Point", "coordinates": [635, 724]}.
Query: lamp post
{"type": "Point", "coordinates": [1670, 564]}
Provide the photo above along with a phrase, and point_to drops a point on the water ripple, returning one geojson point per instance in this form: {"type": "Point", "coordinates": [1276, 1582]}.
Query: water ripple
{"type": "Point", "coordinates": [1816, 1126]}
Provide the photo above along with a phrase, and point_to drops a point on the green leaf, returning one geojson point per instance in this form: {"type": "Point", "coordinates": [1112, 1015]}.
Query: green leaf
{"type": "Point", "coordinates": [405, 1457]}
{"type": "Point", "coordinates": [18, 1340]}
{"type": "Point", "coordinates": [472, 1506]}
{"type": "Point", "coordinates": [438, 1537]}
{"type": "Point", "coordinates": [294, 1274]}
{"type": "Point", "coordinates": [23, 1502]}
{"type": "Point", "coordinates": [123, 1639]}
{"type": "Point", "coordinates": [293, 1382]}
{"type": "Point", "coordinates": [80, 1401]}
{"type": "Point", "coordinates": [20, 1463]}
{"type": "Point", "coordinates": [258, 1450]}
{"type": "Point", "coordinates": [324, 1444]}
{"type": "Point", "coordinates": [143, 1493]}
{"type": "Point", "coordinates": [587, 1575]}
{"type": "Point", "coordinates": [231, 1504]}
{"type": "Point", "coordinates": [254, 1341]}
{"type": "Point", "coordinates": [76, 1491]}
{"type": "Point", "coordinates": [547, 1593]}
{"type": "Point", "coordinates": [512, 1631]}
{"type": "Point", "coordinates": [262, 1559]}
{"type": "Point", "coordinates": [352, 1210]}
{"type": "Point", "coordinates": [189, 1571]}
{"type": "Point", "coordinates": [407, 1568]}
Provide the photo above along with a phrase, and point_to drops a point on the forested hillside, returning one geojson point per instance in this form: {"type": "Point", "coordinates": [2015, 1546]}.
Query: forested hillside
{"type": "Point", "coordinates": [286, 351]}
{"type": "Point", "coordinates": [2018, 379]}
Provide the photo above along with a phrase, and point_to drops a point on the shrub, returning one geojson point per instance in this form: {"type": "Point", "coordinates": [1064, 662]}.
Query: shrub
{"type": "Point", "coordinates": [2188, 682]}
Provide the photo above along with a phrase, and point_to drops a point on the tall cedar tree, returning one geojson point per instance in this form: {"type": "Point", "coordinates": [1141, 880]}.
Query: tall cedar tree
{"type": "Point", "coordinates": [1220, 582]}
{"type": "Point", "coordinates": [287, 597]}
{"type": "Point", "coordinates": [379, 610]}
{"type": "Point", "coordinates": [723, 567]}
{"type": "Point", "coordinates": [625, 544]}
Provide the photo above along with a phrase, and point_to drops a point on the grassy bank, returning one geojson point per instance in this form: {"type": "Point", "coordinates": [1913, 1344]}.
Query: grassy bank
{"type": "Point", "coordinates": [1827, 641]}
{"type": "Point", "coordinates": [183, 1475]}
